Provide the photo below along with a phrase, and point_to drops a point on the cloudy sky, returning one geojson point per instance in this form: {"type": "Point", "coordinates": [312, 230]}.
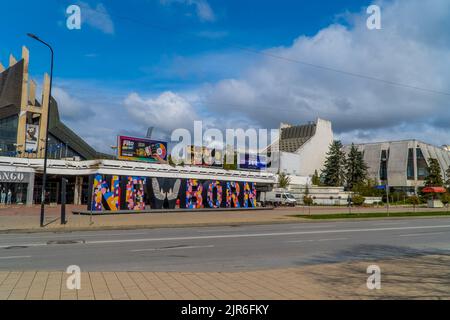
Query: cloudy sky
{"type": "Point", "coordinates": [243, 64]}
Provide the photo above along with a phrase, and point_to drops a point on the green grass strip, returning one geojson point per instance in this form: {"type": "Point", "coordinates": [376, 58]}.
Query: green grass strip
{"type": "Point", "coordinates": [371, 215]}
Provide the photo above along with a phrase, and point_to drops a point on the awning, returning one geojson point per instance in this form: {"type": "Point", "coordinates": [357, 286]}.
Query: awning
{"type": "Point", "coordinates": [434, 190]}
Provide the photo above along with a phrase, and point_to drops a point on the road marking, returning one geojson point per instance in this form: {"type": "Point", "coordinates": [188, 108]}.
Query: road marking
{"type": "Point", "coordinates": [272, 234]}
{"type": "Point", "coordinates": [71, 235]}
{"type": "Point", "coordinates": [389, 223]}
{"type": "Point", "coordinates": [317, 240]}
{"type": "Point", "coordinates": [312, 227]}
{"type": "Point", "coordinates": [15, 257]}
{"type": "Point", "coordinates": [173, 248]}
{"type": "Point", "coordinates": [335, 239]}
{"type": "Point", "coordinates": [220, 230]}
{"type": "Point", "coordinates": [248, 235]}
{"type": "Point", "coordinates": [420, 234]}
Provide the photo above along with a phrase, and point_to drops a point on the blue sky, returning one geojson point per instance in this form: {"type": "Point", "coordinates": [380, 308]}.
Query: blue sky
{"type": "Point", "coordinates": [134, 63]}
{"type": "Point", "coordinates": [148, 35]}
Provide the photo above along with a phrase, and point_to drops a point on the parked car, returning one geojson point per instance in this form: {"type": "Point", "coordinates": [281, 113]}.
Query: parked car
{"type": "Point", "coordinates": [278, 198]}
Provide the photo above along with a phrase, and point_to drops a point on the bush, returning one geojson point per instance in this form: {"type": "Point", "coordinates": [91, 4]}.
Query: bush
{"type": "Point", "coordinates": [445, 198]}
{"type": "Point", "coordinates": [308, 201]}
{"type": "Point", "coordinates": [413, 200]}
{"type": "Point", "coordinates": [358, 200]}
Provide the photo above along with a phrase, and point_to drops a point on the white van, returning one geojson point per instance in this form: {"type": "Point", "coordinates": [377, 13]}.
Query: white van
{"type": "Point", "coordinates": [278, 198]}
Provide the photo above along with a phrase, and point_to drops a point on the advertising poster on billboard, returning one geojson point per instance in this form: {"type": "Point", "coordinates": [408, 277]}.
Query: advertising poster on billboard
{"type": "Point", "coordinates": [204, 156]}
{"type": "Point", "coordinates": [31, 138]}
{"type": "Point", "coordinates": [252, 161]}
{"type": "Point", "coordinates": [138, 149]}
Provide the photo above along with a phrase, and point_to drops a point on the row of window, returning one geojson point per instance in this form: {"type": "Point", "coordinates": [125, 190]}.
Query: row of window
{"type": "Point", "coordinates": [422, 167]}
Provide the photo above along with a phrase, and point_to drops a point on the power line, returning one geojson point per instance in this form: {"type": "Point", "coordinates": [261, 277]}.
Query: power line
{"type": "Point", "coordinates": [278, 57]}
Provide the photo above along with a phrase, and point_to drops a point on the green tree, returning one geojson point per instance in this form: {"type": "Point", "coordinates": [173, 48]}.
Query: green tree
{"type": "Point", "coordinates": [358, 200]}
{"type": "Point", "coordinates": [445, 198]}
{"type": "Point", "coordinates": [283, 180]}
{"type": "Point", "coordinates": [315, 180]}
{"type": "Point", "coordinates": [306, 193]}
{"type": "Point", "coordinates": [334, 172]}
{"type": "Point", "coordinates": [170, 161]}
{"type": "Point", "coordinates": [434, 178]}
{"type": "Point", "coordinates": [414, 200]}
{"type": "Point", "coordinates": [355, 168]}
{"type": "Point", "coordinates": [367, 188]}
{"type": "Point", "coordinates": [448, 177]}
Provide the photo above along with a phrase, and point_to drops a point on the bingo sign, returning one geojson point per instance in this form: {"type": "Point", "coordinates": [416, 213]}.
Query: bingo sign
{"type": "Point", "coordinates": [138, 149]}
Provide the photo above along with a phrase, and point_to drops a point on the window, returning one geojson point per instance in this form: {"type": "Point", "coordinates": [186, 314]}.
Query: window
{"type": "Point", "coordinates": [422, 166]}
{"type": "Point", "coordinates": [8, 136]}
{"type": "Point", "coordinates": [383, 165]}
{"type": "Point", "coordinates": [57, 149]}
{"type": "Point", "coordinates": [410, 166]}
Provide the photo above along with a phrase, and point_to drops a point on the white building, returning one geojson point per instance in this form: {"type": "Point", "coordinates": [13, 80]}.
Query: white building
{"type": "Point", "coordinates": [301, 150]}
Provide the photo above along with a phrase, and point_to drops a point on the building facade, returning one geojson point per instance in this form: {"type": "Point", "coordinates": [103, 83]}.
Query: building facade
{"type": "Point", "coordinates": [111, 185]}
{"type": "Point", "coordinates": [23, 118]}
{"type": "Point", "coordinates": [301, 150]}
{"type": "Point", "coordinates": [403, 165]}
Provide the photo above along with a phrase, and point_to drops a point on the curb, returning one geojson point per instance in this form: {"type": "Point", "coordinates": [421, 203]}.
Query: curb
{"type": "Point", "coordinates": [149, 226]}
{"type": "Point", "coordinates": [156, 211]}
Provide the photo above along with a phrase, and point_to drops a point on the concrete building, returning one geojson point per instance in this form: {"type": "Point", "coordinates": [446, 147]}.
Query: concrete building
{"type": "Point", "coordinates": [301, 150]}
{"type": "Point", "coordinates": [23, 118]}
{"type": "Point", "coordinates": [403, 165]}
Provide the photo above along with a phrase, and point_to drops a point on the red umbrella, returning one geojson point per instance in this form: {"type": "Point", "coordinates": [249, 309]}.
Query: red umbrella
{"type": "Point", "coordinates": [434, 190]}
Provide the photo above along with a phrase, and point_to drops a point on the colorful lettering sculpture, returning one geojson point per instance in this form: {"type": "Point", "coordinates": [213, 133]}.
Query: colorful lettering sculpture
{"type": "Point", "coordinates": [214, 203]}
{"type": "Point", "coordinates": [233, 191]}
{"type": "Point", "coordinates": [165, 193]}
{"type": "Point", "coordinates": [194, 197]}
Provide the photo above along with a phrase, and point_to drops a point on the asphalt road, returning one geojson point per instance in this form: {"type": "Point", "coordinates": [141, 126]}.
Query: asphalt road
{"type": "Point", "coordinates": [225, 248]}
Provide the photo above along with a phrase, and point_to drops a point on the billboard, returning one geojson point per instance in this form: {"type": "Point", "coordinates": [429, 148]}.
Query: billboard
{"type": "Point", "coordinates": [204, 156]}
{"type": "Point", "coordinates": [31, 138]}
{"type": "Point", "coordinates": [252, 161]}
{"type": "Point", "coordinates": [138, 149]}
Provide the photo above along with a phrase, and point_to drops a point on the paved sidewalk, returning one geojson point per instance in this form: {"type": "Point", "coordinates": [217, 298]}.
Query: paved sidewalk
{"type": "Point", "coordinates": [140, 220]}
{"type": "Point", "coordinates": [27, 219]}
{"type": "Point", "coordinates": [422, 277]}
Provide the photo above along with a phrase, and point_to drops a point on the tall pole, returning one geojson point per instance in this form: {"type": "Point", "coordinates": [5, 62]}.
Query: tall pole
{"type": "Point", "coordinates": [44, 178]}
{"type": "Point", "coordinates": [387, 185]}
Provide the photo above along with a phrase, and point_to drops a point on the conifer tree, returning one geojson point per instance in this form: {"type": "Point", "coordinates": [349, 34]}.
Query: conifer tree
{"type": "Point", "coordinates": [334, 172]}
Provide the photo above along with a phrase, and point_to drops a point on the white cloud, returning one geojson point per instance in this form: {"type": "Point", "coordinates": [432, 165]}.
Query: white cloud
{"type": "Point", "coordinates": [407, 50]}
{"type": "Point", "coordinates": [96, 17]}
{"type": "Point", "coordinates": [412, 48]}
{"type": "Point", "coordinates": [72, 108]}
{"type": "Point", "coordinates": [202, 8]}
{"type": "Point", "coordinates": [166, 112]}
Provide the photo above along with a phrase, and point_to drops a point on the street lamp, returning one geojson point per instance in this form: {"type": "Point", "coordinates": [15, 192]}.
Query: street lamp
{"type": "Point", "coordinates": [44, 178]}
{"type": "Point", "coordinates": [386, 184]}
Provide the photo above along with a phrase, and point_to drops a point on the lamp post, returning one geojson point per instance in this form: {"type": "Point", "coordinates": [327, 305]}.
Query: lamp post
{"type": "Point", "coordinates": [386, 185]}
{"type": "Point", "coordinates": [44, 178]}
